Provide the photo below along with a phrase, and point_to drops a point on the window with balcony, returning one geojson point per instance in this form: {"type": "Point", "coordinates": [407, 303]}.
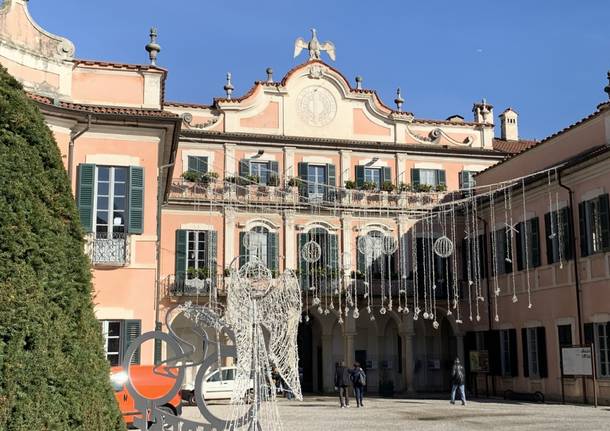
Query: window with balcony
{"type": "Point", "coordinates": [376, 264]}
{"type": "Point", "coordinates": [594, 225]}
{"type": "Point", "coordinates": [198, 164]}
{"type": "Point", "coordinates": [318, 181]}
{"type": "Point", "coordinates": [195, 264]}
{"type": "Point", "coordinates": [118, 335]}
{"type": "Point", "coordinates": [372, 176]}
{"type": "Point", "coordinates": [260, 172]}
{"type": "Point", "coordinates": [434, 178]}
{"type": "Point", "coordinates": [467, 179]}
{"type": "Point", "coordinates": [110, 200]}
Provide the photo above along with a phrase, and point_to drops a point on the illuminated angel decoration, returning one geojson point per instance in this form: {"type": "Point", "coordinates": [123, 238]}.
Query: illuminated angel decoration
{"type": "Point", "coordinates": [314, 46]}
{"type": "Point", "coordinates": [264, 315]}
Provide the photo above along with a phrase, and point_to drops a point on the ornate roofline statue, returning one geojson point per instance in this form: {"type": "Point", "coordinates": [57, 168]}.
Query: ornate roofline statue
{"type": "Point", "coordinates": [314, 47]}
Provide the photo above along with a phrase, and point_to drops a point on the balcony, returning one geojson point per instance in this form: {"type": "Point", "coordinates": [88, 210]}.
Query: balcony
{"type": "Point", "coordinates": [175, 287]}
{"type": "Point", "coordinates": [108, 249]}
{"type": "Point", "coordinates": [235, 193]}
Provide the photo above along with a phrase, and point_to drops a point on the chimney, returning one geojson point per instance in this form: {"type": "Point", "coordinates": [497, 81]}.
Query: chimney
{"type": "Point", "coordinates": [483, 112]}
{"type": "Point", "coordinates": [509, 126]}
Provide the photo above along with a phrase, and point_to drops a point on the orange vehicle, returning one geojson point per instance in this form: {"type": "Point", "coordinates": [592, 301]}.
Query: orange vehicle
{"type": "Point", "coordinates": [150, 382]}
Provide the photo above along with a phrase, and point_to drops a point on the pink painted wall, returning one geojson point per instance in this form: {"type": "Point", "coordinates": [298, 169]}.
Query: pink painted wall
{"type": "Point", "coordinates": [92, 85]}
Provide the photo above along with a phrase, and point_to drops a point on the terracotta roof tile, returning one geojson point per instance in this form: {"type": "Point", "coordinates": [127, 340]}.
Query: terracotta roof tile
{"type": "Point", "coordinates": [100, 109]}
{"type": "Point", "coordinates": [114, 65]}
{"type": "Point", "coordinates": [513, 147]}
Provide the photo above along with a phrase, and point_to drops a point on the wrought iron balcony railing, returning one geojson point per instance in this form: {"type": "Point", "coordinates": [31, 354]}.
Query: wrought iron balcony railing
{"type": "Point", "coordinates": [108, 249]}
{"type": "Point", "coordinates": [183, 286]}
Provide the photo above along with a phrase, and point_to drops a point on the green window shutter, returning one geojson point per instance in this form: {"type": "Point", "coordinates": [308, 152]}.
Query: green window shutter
{"type": "Point", "coordinates": [361, 262]}
{"type": "Point", "coordinates": [180, 254]}
{"type": "Point", "coordinates": [604, 221]}
{"type": "Point", "coordinates": [519, 246]}
{"type": "Point", "coordinates": [441, 178]}
{"type": "Point", "coordinates": [331, 182]}
{"type": "Point", "coordinates": [273, 170]}
{"type": "Point", "coordinates": [568, 232]}
{"type": "Point", "coordinates": [212, 245]}
{"type": "Point", "coordinates": [414, 177]}
{"type": "Point", "coordinates": [543, 367]}
{"type": "Point", "coordinates": [588, 333]}
{"type": "Point", "coordinates": [512, 347]}
{"type": "Point", "coordinates": [526, 365]}
{"type": "Point", "coordinates": [386, 174]}
{"type": "Point", "coordinates": [535, 241]}
{"type": "Point", "coordinates": [243, 253]}
{"type": "Point", "coordinates": [85, 194]}
{"type": "Point", "coordinates": [132, 329]}
{"type": "Point", "coordinates": [303, 266]}
{"type": "Point", "coordinates": [333, 251]}
{"type": "Point", "coordinates": [273, 251]}
{"type": "Point", "coordinates": [244, 168]}
{"type": "Point", "coordinates": [584, 237]}
{"type": "Point", "coordinates": [303, 176]}
{"type": "Point", "coordinates": [548, 217]}
{"type": "Point", "coordinates": [462, 179]}
{"type": "Point", "coordinates": [136, 199]}
{"type": "Point", "coordinates": [359, 176]}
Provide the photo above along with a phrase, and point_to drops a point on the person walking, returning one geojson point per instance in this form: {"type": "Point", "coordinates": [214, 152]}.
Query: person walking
{"type": "Point", "coordinates": [458, 379]}
{"type": "Point", "coordinates": [342, 380]}
{"type": "Point", "coordinates": [358, 378]}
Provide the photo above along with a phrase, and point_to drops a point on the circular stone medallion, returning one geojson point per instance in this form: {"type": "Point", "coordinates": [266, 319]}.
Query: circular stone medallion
{"type": "Point", "coordinates": [316, 106]}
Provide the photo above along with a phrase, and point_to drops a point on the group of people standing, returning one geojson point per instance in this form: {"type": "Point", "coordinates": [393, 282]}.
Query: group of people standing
{"type": "Point", "coordinates": [346, 377]}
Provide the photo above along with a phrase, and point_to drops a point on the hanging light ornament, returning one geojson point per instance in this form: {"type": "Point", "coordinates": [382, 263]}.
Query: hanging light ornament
{"type": "Point", "coordinates": [311, 252]}
{"type": "Point", "coordinates": [443, 247]}
{"type": "Point", "coordinates": [389, 245]}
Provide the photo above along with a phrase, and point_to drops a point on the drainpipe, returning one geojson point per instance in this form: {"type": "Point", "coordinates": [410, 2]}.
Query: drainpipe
{"type": "Point", "coordinates": [488, 275]}
{"type": "Point", "coordinates": [576, 272]}
{"type": "Point", "coordinates": [158, 325]}
{"type": "Point", "coordinates": [73, 137]}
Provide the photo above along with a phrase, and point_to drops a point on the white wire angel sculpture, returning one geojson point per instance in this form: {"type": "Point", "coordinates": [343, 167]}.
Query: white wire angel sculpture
{"type": "Point", "coordinates": [264, 315]}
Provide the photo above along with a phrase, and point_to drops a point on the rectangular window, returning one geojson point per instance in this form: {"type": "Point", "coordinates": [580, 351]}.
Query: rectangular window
{"type": "Point", "coordinates": [602, 347]}
{"type": "Point", "coordinates": [505, 352]}
{"type": "Point", "coordinates": [428, 176]}
{"type": "Point", "coordinates": [564, 335]}
{"type": "Point", "coordinates": [258, 244]}
{"type": "Point", "coordinates": [502, 253]}
{"type": "Point", "coordinates": [316, 175]}
{"type": "Point", "coordinates": [260, 170]}
{"type": "Point", "coordinates": [373, 175]}
{"type": "Point", "coordinates": [467, 179]}
{"type": "Point", "coordinates": [111, 201]}
{"type": "Point", "coordinates": [532, 350]}
{"type": "Point", "coordinates": [111, 331]}
{"type": "Point", "coordinates": [196, 251]}
{"type": "Point", "coordinates": [528, 244]}
{"type": "Point", "coordinates": [594, 225]}
{"type": "Point", "coordinates": [198, 164]}
{"type": "Point", "coordinates": [558, 234]}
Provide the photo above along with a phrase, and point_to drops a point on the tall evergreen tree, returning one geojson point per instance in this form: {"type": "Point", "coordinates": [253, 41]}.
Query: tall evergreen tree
{"type": "Point", "coordinates": [53, 374]}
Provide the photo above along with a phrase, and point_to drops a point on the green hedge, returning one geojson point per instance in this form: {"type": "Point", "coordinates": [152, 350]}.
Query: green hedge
{"type": "Point", "coordinates": [53, 374]}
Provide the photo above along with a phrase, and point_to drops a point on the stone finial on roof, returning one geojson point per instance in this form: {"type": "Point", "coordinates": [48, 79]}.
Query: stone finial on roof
{"type": "Point", "coordinates": [153, 47]}
{"type": "Point", "coordinates": [269, 75]}
{"type": "Point", "coordinates": [607, 88]}
{"type": "Point", "coordinates": [399, 100]}
{"type": "Point", "coordinates": [358, 82]}
{"type": "Point", "coordinates": [228, 86]}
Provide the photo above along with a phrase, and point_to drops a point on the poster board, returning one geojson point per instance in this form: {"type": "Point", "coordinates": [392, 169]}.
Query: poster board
{"type": "Point", "coordinates": [479, 361]}
{"type": "Point", "coordinates": [577, 361]}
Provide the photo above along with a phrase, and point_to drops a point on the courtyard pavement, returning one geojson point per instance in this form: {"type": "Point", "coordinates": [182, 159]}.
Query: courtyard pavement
{"type": "Point", "coordinates": [318, 413]}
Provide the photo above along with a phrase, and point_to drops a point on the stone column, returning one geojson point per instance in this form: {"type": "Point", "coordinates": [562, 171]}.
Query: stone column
{"type": "Point", "coordinates": [230, 164]}
{"type": "Point", "coordinates": [290, 240]}
{"type": "Point", "coordinates": [401, 176]}
{"type": "Point", "coordinates": [459, 338]}
{"type": "Point", "coordinates": [290, 170]}
{"type": "Point", "coordinates": [407, 335]}
{"type": "Point", "coordinates": [346, 234]}
{"type": "Point", "coordinates": [346, 167]}
{"type": "Point", "coordinates": [349, 332]}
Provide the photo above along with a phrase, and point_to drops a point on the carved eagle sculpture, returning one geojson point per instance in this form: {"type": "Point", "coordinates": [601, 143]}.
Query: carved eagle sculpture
{"type": "Point", "coordinates": [314, 46]}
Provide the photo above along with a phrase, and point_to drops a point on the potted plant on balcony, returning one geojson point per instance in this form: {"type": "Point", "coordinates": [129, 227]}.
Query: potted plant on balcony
{"type": "Point", "coordinates": [348, 191]}
{"type": "Point", "coordinates": [403, 193]}
{"type": "Point", "coordinates": [293, 185]}
{"type": "Point", "coordinates": [230, 185]}
{"type": "Point", "coordinates": [191, 176]}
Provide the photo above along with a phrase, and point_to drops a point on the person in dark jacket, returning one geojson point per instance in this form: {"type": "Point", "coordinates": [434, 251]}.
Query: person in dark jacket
{"type": "Point", "coordinates": [359, 381]}
{"type": "Point", "coordinates": [458, 379]}
{"type": "Point", "coordinates": [342, 381]}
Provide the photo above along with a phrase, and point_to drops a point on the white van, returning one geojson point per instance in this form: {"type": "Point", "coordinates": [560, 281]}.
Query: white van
{"type": "Point", "coordinates": [216, 386]}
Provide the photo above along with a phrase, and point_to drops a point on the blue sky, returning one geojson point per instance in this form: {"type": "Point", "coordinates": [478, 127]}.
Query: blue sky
{"type": "Point", "coordinates": [547, 58]}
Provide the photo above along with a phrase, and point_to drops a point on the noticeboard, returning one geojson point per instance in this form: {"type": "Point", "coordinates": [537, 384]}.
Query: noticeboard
{"type": "Point", "coordinates": [479, 361]}
{"type": "Point", "coordinates": [577, 361]}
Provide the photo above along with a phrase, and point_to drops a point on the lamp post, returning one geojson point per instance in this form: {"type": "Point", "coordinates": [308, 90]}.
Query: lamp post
{"type": "Point", "coordinates": [160, 194]}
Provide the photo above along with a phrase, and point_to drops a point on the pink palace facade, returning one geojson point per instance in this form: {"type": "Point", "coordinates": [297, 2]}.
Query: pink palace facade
{"type": "Point", "coordinates": [168, 191]}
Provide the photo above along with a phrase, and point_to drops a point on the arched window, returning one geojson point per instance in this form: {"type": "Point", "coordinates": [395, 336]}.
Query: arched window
{"type": "Point", "coordinates": [262, 244]}
{"type": "Point", "coordinates": [327, 267]}
{"type": "Point", "coordinates": [377, 264]}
